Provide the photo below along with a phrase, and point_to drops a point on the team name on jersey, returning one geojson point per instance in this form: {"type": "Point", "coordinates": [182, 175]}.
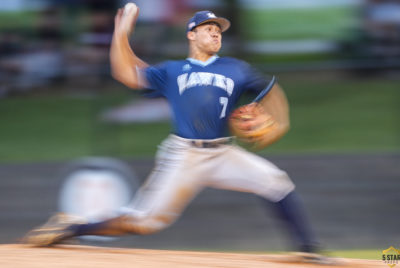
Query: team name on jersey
{"type": "Point", "coordinates": [186, 81]}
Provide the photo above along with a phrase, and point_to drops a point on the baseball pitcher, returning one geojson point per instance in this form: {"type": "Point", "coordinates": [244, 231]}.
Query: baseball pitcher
{"type": "Point", "coordinates": [202, 91]}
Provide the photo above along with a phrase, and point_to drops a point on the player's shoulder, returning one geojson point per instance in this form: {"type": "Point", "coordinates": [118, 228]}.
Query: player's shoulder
{"type": "Point", "coordinates": [231, 61]}
{"type": "Point", "coordinates": [171, 64]}
{"type": "Point", "coordinates": [166, 67]}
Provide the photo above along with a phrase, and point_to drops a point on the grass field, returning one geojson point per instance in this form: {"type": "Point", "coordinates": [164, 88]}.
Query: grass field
{"type": "Point", "coordinates": [17, 20]}
{"type": "Point", "coordinates": [335, 116]}
{"type": "Point", "coordinates": [342, 116]}
{"type": "Point", "coordinates": [370, 254]}
{"type": "Point", "coordinates": [331, 23]}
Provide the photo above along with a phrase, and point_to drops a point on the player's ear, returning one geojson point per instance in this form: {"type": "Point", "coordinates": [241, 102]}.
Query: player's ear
{"type": "Point", "coordinates": [191, 35]}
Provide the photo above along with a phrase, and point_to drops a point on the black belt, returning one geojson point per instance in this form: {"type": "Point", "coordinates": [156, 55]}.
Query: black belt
{"type": "Point", "coordinates": [210, 144]}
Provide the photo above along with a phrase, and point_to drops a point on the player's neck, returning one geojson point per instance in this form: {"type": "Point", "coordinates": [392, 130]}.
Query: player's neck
{"type": "Point", "coordinates": [201, 56]}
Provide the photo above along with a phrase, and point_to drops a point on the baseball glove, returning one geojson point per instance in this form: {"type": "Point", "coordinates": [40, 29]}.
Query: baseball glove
{"type": "Point", "coordinates": [251, 124]}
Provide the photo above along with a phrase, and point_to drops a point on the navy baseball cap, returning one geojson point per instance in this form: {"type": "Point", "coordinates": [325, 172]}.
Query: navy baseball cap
{"type": "Point", "coordinates": [205, 16]}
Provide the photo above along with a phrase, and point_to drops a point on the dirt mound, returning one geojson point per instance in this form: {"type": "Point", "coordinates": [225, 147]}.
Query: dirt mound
{"type": "Point", "coordinates": [18, 256]}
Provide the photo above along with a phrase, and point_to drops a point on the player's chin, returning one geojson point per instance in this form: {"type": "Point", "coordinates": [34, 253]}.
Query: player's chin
{"type": "Point", "coordinates": [215, 49]}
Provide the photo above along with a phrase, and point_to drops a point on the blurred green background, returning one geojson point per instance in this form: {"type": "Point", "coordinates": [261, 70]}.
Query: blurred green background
{"type": "Point", "coordinates": [341, 75]}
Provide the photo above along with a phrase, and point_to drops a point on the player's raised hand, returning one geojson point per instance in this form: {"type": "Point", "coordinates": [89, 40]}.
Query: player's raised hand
{"type": "Point", "coordinates": [125, 19]}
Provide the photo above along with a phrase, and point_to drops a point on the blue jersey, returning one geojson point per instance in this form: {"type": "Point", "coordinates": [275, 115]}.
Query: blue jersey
{"type": "Point", "coordinates": [202, 95]}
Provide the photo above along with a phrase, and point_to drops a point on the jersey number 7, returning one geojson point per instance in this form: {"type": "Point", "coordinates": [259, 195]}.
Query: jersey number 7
{"type": "Point", "coordinates": [224, 102]}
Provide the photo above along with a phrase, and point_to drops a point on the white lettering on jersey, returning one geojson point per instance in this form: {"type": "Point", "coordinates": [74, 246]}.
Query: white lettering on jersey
{"type": "Point", "coordinates": [205, 79]}
{"type": "Point", "coordinates": [182, 82]}
{"type": "Point", "coordinates": [219, 81]}
{"type": "Point", "coordinates": [229, 85]}
{"type": "Point", "coordinates": [194, 80]}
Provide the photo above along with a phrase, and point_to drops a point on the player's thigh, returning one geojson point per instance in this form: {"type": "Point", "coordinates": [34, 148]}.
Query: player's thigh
{"type": "Point", "coordinates": [241, 170]}
{"type": "Point", "coordinates": [169, 188]}
{"type": "Point", "coordinates": [159, 202]}
{"type": "Point", "coordinates": [167, 193]}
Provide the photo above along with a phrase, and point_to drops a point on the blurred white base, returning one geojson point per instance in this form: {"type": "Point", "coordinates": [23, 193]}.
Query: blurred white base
{"type": "Point", "coordinates": [143, 110]}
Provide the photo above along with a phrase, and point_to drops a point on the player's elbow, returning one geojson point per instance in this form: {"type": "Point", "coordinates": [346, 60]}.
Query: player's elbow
{"type": "Point", "coordinates": [125, 79]}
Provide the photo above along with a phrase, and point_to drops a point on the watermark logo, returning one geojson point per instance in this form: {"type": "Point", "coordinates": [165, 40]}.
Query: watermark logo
{"type": "Point", "coordinates": [391, 256]}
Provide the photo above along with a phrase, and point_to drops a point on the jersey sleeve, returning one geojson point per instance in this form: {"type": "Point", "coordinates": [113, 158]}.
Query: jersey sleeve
{"type": "Point", "coordinates": [156, 77]}
{"type": "Point", "coordinates": [254, 81]}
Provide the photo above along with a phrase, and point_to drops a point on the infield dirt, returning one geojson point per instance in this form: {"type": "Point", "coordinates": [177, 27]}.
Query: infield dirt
{"type": "Point", "coordinates": [18, 256]}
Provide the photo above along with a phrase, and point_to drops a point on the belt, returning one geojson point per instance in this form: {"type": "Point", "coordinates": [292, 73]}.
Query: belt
{"type": "Point", "coordinates": [211, 143]}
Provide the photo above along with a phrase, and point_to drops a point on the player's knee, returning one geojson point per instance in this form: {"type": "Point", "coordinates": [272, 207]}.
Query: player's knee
{"type": "Point", "coordinates": [278, 187]}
